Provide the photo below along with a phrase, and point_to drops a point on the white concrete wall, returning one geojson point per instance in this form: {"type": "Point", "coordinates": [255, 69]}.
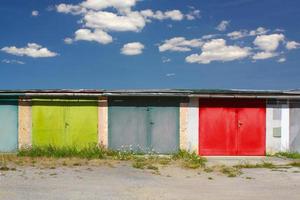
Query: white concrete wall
{"type": "Point", "coordinates": [273, 144]}
{"type": "Point", "coordinates": [277, 117]}
{"type": "Point", "coordinates": [193, 125]}
{"type": "Point", "coordinates": [285, 128]}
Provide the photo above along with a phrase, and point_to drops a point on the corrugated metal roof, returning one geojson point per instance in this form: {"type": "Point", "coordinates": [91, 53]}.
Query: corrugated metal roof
{"type": "Point", "coordinates": [156, 92]}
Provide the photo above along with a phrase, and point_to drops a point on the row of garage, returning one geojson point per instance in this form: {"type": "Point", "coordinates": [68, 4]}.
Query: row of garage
{"type": "Point", "coordinates": [152, 122]}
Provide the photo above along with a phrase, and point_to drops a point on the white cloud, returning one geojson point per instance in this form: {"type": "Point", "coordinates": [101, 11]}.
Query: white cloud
{"type": "Point", "coordinates": [264, 55]}
{"type": "Point", "coordinates": [180, 44]}
{"type": "Point", "coordinates": [170, 74]}
{"type": "Point", "coordinates": [113, 22]}
{"type": "Point", "coordinates": [258, 31]}
{"type": "Point", "coordinates": [68, 40]}
{"type": "Point", "coordinates": [237, 34]}
{"type": "Point", "coordinates": [210, 36]}
{"type": "Point", "coordinates": [245, 33]}
{"type": "Point", "coordinates": [70, 9]}
{"type": "Point", "coordinates": [121, 5]}
{"type": "Point", "coordinates": [217, 50]}
{"type": "Point", "coordinates": [268, 42]}
{"type": "Point", "coordinates": [32, 50]}
{"type": "Point", "coordinates": [281, 60]}
{"type": "Point", "coordinates": [131, 49]}
{"type": "Point", "coordinates": [35, 13]}
{"type": "Point", "coordinates": [175, 15]}
{"type": "Point", "coordinates": [165, 59]}
{"type": "Point", "coordinates": [117, 15]}
{"type": "Point", "coordinates": [96, 35]}
{"type": "Point", "coordinates": [223, 25]}
{"type": "Point", "coordinates": [292, 45]}
{"type": "Point", "coordinates": [193, 14]}
{"type": "Point", "coordinates": [13, 62]}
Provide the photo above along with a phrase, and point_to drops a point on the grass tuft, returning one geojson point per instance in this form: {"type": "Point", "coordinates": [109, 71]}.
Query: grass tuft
{"type": "Point", "coordinates": [291, 155]}
{"type": "Point", "coordinates": [295, 164]}
{"type": "Point", "coordinates": [190, 160]}
{"type": "Point", "coordinates": [268, 165]}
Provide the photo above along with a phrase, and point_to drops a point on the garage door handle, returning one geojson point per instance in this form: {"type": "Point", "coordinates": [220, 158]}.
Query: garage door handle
{"type": "Point", "coordinates": [240, 124]}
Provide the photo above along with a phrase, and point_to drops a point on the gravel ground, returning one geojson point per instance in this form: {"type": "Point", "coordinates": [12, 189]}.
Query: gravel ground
{"type": "Point", "coordinates": [121, 181]}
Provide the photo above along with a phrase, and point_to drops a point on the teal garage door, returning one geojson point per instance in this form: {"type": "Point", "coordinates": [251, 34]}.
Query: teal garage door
{"type": "Point", "coordinates": [8, 126]}
{"type": "Point", "coordinates": [144, 124]}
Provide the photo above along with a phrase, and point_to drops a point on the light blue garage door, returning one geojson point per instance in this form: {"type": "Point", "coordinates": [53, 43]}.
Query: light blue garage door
{"type": "Point", "coordinates": [8, 126]}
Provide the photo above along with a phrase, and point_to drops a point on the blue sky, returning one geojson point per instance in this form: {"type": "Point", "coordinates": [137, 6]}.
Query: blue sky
{"type": "Point", "coordinates": [120, 44]}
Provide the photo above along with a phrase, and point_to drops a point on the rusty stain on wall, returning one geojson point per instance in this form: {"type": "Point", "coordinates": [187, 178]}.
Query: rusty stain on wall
{"type": "Point", "coordinates": [25, 124]}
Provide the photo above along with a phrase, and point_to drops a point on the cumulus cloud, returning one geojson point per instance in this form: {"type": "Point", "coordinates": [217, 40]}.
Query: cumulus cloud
{"type": "Point", "coordinates": [281, 60]}
{"type": "Point", "coordinates": [96, 36]}
{"type": "Point", "coordinates": [170, 74]}
{"type": "Point", "coordinates": [237, 34]}
{"type": "Point", "coordinates": [175, 15]}
{"type": "Point", "coordinates": [180, 44]}
{"type": "Point", "coordinates": [217, 50]}
{"type": "Point", "coordinates": [68, 40]}
{"type": "Point", "coordinates": [165, 59]}
{"type": "Point", "coordinates": [112, 22]}
{"type": "Point", "coordinates": [117, 15]}
{"type": "Point", "coordinates": [292, 45]}
{"type": "Point", "coordinates": [245, 33]}
{"type": "Point", "coordinates": [268, 42]}
{"type": "Point", "coordinates": [70, 9]}
{"type": "Point", "coordinates": [223, 25]}
{"type": "Point", "coordinates": [31, 50]}
{"type": "Point", "coordinates": [13, 62]}
{"type": "Point", "coordinates": [121, 5]}
{"type": "Point", "coordinates": [131, 49]}
{"type": "Point", "coordinates": [264, 55]}
{"type": "Point", "coordinates": [258, 31]}
{"type": "Point", "coordinates": [35, 13]}
{"type": "Point", "coordinates": [193, 14]}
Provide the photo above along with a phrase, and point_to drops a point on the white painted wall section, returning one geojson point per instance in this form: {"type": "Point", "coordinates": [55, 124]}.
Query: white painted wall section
{"type": "Point", "coordinates": [193, 125]}
{"type": "Point", "coordinates": [285, 127]}
{"type": "Point", "coordinates": [273, 144]}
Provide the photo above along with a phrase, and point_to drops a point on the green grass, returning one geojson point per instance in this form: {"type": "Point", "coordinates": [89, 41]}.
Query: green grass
{"type": "Point", "coordinates": [295, 164]}
{"type": "Point", "coordinates": [89, 152]}
{"type": "Point", "coordinates": [140, 160]}
{"type": "Point", "coordinates": [190, 160]}
{"type": "Point", "coordinates": [292, 155]}
{"type": "Point", "coordinates": [268, 165]}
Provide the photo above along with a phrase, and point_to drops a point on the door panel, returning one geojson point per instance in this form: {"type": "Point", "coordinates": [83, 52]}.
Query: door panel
{"type": "Point", "coordinates": [232, 127]}
{"type": "Point", "coordinates": [144, 124]}
{"type": "Point", "coordinates": [48, 124]}
{"type": "Point", "coordinates": [128, 128]}
{"type": "Point", "coordinates": [81, 123]}
{"type": "Point", "coordinates": [217, 128]}
{"type": "Point", "coordinates": [251, 127]}
{"type": "Point", "coordinates": [164, 128]}
{"type": "Point", "coordinates": [64, 123]}
{"type": "Point", "coordinates": [8, 126]}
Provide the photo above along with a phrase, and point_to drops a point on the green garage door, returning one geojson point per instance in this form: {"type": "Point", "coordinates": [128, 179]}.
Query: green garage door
{"type": "Point", "coordinates": [144, 124]}
{"type": "Point", "coordinates": [64, 123]}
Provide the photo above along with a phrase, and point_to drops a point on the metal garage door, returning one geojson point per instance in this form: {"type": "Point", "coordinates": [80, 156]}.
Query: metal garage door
{"type": "Point", "coordinates": [8, 126]}
{"type": "Point", "coordinates": [144, 124]}
{"type": "Point", "coordinates": [232, 127]}
{"type": "Point", "coordinates": [64, 123]}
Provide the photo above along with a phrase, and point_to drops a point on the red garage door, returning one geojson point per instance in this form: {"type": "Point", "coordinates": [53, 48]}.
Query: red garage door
{"type": "Point", "coordinates": [232, 127]}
